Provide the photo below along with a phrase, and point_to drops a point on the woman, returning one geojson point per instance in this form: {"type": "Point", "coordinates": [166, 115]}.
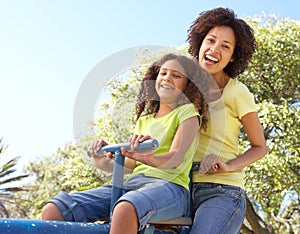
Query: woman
{"type": "Point", "coordinates": [224, 45]}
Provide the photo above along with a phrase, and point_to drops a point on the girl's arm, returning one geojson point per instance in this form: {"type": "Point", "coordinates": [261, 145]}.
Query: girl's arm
{"type": "Point", "coordinates": [257, 150]}
{"type": "Point", "coordinates": [183, 138]}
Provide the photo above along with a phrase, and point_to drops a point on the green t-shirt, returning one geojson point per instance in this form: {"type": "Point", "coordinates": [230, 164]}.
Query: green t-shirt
{"type": "Point", "coordinates": [223, 130]}
{"type": "Point", "coordinates": [164, 129]}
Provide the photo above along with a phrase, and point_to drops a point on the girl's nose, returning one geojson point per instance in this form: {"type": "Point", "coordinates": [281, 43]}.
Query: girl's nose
{"type": "Point", "coordinates": [167, 78]}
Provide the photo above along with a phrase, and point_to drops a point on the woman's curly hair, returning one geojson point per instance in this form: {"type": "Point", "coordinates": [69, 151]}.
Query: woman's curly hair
{"type": "Point", "coordinates": [245, 40]}
{"type": "Point", "coordinates": [195, 91]}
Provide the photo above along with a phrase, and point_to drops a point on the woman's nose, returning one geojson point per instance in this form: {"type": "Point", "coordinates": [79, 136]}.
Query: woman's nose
{"type": "Point", "coordinates": [214, 49]}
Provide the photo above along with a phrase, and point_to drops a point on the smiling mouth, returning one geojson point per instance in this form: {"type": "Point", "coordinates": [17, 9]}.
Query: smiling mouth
{"type": "Point", "coordinates": [211, 58]}
{"type": "Point", "coordinates": [165, 86]}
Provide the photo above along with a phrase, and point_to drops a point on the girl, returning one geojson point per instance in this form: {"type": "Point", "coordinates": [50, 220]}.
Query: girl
{"type": "Point", "coordinates": [170, 101]}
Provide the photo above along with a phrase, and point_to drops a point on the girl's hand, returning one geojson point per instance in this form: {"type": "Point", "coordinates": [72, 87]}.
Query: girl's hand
{"type": "Point", "coordinates": [99, 161]}
{"type": "Point", "coordinates": [136, 139]}
{"type": "Point", "coordinates": [145, 157]}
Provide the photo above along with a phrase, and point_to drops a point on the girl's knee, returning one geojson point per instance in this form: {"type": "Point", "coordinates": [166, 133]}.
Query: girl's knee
{"type": "Point", "coordinates": [124, 207]}
{"type": "Point", "coordinates": [124, 215]}
{"type": "Point", "coordinates": [51, 212]}
{"type": "Point", "coordinates": [126, 211]}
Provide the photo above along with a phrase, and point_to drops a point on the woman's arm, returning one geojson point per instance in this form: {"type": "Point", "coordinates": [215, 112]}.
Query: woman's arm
{"type": "Point", "coordinates": [257, 150]}
{"type": "Point", "coordinates": [183, 138]}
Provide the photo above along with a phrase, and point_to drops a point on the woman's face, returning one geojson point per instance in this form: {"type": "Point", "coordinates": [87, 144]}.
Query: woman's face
{"type": "Point", "coordinates": [217, 49]}
{"type": "Point", "coordinates": [171, 81]}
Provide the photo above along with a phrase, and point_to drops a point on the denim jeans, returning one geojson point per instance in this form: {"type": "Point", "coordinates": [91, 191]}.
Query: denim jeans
{"type": "Point", "coordinates": [217, 208]}
{"type": "Point", "coordinates": [154, 199]}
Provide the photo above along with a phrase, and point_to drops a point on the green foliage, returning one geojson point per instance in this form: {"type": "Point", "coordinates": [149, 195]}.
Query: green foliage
{"type": "Point", "coordinates": [275, 177]}
{"type": "Point", "coordinates": [69, 170]}
{"type": "Point", "coordinates": [116, 121]}
{"type": "Point", "coordinates": [8, 185]}
{"type": "Point", "coordinates": [272, 182]}
{"type": "Point", "coordinates": [274, 71]}
{"type": "Point", "coordinates": [273, 76]}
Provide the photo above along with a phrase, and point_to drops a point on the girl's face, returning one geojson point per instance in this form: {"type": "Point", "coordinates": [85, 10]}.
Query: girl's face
{"type": "Point", "coordinates": [217, 49]}
{"type": "Point", "coordinates": [170, 82]}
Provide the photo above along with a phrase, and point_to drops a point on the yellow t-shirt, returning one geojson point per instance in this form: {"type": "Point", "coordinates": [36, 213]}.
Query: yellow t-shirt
{"type": "Point", "coordinates": [221, 136]}
{"type": "Point", "coordinates": [164, 129]}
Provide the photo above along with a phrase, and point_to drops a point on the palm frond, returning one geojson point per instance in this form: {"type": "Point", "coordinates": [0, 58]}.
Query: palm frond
{"type": "Point", "coordinates": [3, 211]}
{"type": "Point", "coordinates": [11, 163]}
{"type": "Point", "coordinates": [6, 172]}
{"type": "Point", "coordinates": [13, 179]}
{"type": "Point", "coordinates": [5, 197]}
{"type": "Point", "coordinates": [13, 189]}
{"type": "Point", "coordinates": [2, 147]}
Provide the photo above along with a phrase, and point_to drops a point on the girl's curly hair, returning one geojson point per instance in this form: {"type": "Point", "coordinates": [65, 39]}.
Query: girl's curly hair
{"type": "Point", "coordinates": [195, 91]}
{"type": "Point", "coordinates": [245, 40]}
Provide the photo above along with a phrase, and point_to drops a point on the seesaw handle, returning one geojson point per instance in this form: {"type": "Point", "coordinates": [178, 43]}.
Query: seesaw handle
{"type": "Point", "coordinates": [151, 144]}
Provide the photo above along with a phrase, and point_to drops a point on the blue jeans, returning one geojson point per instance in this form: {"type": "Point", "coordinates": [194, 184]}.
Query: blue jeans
{"type": "Point", "coordinates": [217, 208]}
{"type": "Point", "coordinates": [154, 199]}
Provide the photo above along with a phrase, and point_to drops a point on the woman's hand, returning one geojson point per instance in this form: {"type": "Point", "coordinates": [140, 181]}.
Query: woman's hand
{"type": "Point", "coordinates": [213, 164]}
{"type": "Point", "coordinates": [257, 150]}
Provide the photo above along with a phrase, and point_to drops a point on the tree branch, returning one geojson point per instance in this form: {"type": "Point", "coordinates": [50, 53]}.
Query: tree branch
{"type": "Point", "coordinates": [257, 224]}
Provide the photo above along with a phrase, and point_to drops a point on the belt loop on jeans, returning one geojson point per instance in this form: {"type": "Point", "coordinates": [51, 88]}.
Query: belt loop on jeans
{"type": "Point", "coordinates": [195, 166]}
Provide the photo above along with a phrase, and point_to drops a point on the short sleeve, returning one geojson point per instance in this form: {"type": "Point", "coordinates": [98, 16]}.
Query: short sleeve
{"type": "Point", "coordinates": [186, 111]}
{"type": "Point", "coordinates": [244, 101]}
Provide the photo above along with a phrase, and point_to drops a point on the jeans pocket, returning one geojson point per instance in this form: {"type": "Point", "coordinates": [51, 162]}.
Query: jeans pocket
{"type": "Point", "coordinates": [232, 190]}
{"type": "Point", "coordinates": [235, 195]}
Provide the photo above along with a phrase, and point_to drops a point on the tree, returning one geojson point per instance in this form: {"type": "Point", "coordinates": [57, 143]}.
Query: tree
{"type": "Point", "coordinates": [273, 76]}
{"type": "Point", "coordinates": [69, 170]}
{"type": "Point", "coordinates": [7, 181]}
{"type": "Point", "coordinates": [272, 184]}
{"type": "Point", "coordinates": [274, 71]}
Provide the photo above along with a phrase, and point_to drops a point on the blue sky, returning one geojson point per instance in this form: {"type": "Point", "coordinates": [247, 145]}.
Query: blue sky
{"type": "Point", "coordinates": [47, 47]}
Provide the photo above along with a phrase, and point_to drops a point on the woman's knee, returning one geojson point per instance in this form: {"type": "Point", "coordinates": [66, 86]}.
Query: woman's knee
{"type": "Point", "coordinates": [51, 212]}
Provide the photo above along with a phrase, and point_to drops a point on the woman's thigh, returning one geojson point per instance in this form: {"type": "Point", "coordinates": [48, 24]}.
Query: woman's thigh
{"type": "Point", "coordinates": [218, 208]}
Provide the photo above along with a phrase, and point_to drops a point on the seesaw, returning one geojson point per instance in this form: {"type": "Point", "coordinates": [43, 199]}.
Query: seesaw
{"type": "Point", "coordinates": [180, 225]}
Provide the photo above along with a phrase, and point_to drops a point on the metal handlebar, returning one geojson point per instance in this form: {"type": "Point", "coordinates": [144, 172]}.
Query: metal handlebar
{"type": "Point", "coordinates": [151, 144]}
{"type": "Point", "coordinates": [118, 172]}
